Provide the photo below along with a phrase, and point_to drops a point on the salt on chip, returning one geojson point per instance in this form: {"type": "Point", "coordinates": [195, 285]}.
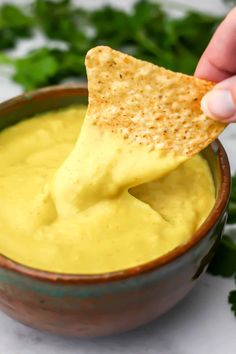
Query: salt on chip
{"type": "Point", "coordinates": [147, 104]}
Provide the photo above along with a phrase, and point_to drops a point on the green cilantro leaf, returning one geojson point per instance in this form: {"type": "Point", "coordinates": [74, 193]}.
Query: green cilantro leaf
{"type": "Point", "coordinates": [14, 24]}
{"type": "Point", "coordinates": [5, 59]}
{"type": "Point", "coordinates": [224, 261]}
{"type": "Point", "coordinates": [60, 20]}
{"type": "Point", "coordinates": [36, 69]}
{"type": "Point", "coordinates": [232, 203]}
{"type": "Point", "coordinates": [232, 301]}
{"type": "Point", "coordinates": [147, 32]}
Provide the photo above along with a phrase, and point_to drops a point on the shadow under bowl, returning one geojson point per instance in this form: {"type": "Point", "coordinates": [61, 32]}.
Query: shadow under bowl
{"type": "Point", "coordinates": [111, 303]}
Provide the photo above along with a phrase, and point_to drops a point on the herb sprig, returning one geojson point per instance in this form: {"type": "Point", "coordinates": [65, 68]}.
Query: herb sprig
{"type": "Point", "coordinates": [14, 24]}
{"type": "Point", "coordinates": [232, 203]}
{"type": "Point", "coordinates": [147, 32]}
{"type": "Point", "coordinates": [224, 261]}
{"type": "Point", "coordinates": [232, 300]}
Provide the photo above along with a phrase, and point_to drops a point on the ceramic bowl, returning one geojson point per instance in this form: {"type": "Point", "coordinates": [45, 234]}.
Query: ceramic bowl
{"type": "Point", "coordinates": [105, 304]}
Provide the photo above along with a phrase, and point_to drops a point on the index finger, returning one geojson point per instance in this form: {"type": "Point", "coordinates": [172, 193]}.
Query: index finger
{"type": "Point", "coordinates": [218, 62]}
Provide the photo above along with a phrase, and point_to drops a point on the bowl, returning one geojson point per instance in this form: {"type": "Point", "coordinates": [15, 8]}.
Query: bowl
{"type": "Point", "coordinates": [105, 304]}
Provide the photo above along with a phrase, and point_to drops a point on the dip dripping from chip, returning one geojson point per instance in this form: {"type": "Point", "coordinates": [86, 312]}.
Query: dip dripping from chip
{"type": "Point", "coordinates": [142, 122]}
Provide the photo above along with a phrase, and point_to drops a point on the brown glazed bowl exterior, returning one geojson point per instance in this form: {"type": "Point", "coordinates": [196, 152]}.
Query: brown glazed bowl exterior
{"type": "Point", "coordinates": [105, 304]}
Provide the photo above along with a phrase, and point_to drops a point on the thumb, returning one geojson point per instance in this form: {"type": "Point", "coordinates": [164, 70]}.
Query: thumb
{"type": "Point", "coordinates": [220, 103]}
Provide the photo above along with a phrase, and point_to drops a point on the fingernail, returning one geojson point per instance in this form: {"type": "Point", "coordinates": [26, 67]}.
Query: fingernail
{"type": "Point", "coordinates": [219, 104]}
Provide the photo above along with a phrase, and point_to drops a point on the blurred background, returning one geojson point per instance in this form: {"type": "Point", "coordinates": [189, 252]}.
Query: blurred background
{"type": "Point", "coordinates": [43, 42]}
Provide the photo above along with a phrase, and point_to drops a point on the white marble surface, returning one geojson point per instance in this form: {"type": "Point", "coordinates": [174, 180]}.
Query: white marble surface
{"type": "Point", "coordinates": [200, 324]}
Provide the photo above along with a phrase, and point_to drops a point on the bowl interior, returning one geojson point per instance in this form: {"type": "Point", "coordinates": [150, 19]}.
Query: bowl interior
{"type": "Point", "coordinates": [40, 101]}
{"type": "Point", "coordinates": [58, 97]}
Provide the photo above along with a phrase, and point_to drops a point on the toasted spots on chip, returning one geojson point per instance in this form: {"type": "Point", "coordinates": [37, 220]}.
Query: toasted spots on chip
{"type": "Point", "coordinates": [148, 104]}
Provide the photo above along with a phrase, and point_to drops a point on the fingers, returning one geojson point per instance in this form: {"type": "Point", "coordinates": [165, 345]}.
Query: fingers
{"type": "Point", "coordinates": [218, 62]}
{"type": "Point", "coordinates": [220, 103]}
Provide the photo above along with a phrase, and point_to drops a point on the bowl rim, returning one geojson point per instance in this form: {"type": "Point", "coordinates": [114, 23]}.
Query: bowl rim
{"type": "Point", "coordinates": [65, 278]}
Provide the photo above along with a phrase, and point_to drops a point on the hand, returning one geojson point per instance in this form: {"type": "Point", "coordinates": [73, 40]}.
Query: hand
{"type": "Point", "coordinates": [218, 64]}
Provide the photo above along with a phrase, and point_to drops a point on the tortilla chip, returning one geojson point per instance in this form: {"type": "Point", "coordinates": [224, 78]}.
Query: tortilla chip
{"type": "Point", "coordinates": [147, 104]}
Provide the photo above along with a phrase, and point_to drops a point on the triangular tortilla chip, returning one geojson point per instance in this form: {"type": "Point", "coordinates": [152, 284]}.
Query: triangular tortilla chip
{"type": "Point", "coordinates": [148, 104]}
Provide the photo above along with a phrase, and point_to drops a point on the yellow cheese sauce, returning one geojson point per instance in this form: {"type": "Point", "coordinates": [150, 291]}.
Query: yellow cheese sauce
{"type": "Point", "coordinates": [92, 206]}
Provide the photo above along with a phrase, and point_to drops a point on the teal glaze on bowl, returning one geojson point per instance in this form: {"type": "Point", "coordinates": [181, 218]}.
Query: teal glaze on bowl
{"type": "Point", "coordinates": [98, 305]}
